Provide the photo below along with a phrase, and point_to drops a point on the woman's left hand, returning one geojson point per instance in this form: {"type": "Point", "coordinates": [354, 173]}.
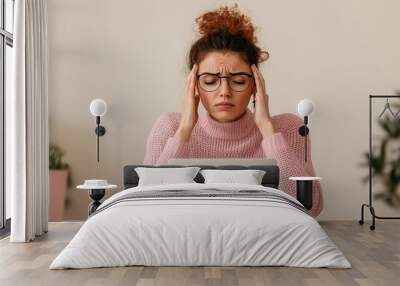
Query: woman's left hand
{"type": "Point", "coordinates": [262, 117]}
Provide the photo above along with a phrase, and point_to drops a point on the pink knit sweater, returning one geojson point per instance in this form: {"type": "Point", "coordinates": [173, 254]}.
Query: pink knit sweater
{"type": "Point", "coordinates": [237, 139]}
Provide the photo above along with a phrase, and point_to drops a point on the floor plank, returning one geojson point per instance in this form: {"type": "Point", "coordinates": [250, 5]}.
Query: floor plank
{"type": "Point", "coordinates": [374, 255]}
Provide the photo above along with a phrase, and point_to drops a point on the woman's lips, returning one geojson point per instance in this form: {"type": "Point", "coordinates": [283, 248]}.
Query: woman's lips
{"type": "Point", "coordinates": [224, 106]}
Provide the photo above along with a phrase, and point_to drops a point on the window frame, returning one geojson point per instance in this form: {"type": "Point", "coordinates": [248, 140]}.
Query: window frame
{"type": "Point", "coordinates": [6, 39]}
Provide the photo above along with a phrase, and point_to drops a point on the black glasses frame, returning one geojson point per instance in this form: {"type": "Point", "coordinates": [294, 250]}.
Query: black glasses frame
{"type": "Point", "coordinates": [221, 77]}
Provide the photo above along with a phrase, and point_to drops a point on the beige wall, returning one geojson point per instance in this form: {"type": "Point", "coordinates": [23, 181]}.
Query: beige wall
{"type": "Point", "coordinates": [132, 54]}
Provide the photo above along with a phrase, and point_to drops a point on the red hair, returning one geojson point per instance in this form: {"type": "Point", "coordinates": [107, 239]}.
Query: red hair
{"type": "Point", "coordinates": [226, 28]}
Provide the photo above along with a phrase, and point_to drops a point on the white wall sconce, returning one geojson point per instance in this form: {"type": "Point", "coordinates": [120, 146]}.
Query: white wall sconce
{"type": "Point", "coordinates": [98, 108]}
{"type": "Point", "coordinates": [305, 108]}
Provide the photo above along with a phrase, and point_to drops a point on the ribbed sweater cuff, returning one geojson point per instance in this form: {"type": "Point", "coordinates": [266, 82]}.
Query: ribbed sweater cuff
{"type": "Point", "coordinates": [274, 143]}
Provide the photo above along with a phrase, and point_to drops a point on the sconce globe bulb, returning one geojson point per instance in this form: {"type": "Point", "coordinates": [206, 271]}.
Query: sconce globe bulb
{"type": "Point", "coordinates": [98, 107]}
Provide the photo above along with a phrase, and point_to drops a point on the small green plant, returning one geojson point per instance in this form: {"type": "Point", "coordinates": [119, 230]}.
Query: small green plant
{"type": "Point", "coordinates": [385, 160]}
{"type": "Point", "coordinates": [55, 158]}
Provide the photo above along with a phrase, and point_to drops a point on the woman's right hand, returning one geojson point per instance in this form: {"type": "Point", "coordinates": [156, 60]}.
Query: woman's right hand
{"type": "Point", "coordinates": [190, 103]}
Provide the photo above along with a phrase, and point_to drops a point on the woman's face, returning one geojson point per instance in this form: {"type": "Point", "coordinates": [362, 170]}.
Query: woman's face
{"type": "Point", "coordinates": [237, 92]}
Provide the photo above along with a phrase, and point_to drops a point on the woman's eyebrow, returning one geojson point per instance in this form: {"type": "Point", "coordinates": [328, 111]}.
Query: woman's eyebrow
{"type": "Point", "coordinates": [218, 73]}
{"type": "Point", "coordinates": [241, 72]}
{"type": "Point", "coordinates": [210, 73]}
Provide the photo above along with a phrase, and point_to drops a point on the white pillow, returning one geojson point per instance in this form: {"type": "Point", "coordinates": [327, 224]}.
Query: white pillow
{"type": "Point", "coordinates": [250, 177]}
{"type": "Point", "coordinates": [162, 176]}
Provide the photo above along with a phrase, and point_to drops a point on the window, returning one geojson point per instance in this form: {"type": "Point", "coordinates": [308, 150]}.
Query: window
{"type": "Point", "coordinates": [6, 60]}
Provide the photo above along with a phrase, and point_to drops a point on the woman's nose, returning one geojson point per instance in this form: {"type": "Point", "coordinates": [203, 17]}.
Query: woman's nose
{"type": "Point", "coordinates": [224, 89]}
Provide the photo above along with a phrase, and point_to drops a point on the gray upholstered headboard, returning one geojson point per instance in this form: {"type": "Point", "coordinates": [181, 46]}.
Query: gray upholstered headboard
{"type": "Point", "coordinates": [270, 179]}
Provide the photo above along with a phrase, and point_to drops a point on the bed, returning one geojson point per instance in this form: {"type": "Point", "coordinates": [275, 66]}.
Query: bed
{"type": "Point", "coordinates": [201, 224]}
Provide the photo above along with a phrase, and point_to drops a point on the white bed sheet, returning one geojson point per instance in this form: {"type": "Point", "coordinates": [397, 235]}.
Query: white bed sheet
{"type": "Point", "coordinates": [200, 231]}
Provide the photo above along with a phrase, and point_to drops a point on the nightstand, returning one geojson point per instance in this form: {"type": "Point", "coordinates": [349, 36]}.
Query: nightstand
{"type": "Point", "coordinates": [304, 189]}
{"type": "Point", "coordinates": [97, 189]}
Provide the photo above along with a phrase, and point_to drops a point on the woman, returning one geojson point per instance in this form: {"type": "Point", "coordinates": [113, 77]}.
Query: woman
{"type": "Point", "coordinates": [224, 75]}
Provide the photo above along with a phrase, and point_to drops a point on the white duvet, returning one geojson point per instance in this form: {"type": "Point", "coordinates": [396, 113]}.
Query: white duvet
{"type": "Point", "coordinates": [200, 231]}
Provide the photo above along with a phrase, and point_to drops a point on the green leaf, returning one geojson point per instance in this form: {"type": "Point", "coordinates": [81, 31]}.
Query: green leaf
{"type": "Point", "coordinates": [55, 158]}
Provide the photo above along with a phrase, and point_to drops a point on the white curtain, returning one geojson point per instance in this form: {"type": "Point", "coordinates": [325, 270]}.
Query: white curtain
{"type": "Point", "coordinates": [28, 123]}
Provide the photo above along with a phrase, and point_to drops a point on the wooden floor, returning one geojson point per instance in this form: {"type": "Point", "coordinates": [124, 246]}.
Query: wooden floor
{"type": "Point", "coordinates": [374, 255]}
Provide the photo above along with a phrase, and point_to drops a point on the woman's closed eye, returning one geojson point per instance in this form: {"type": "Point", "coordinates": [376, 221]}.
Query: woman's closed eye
{"type": "Point", "coordinates": [215, 80]}
{"type": "Point", "coordinates": [208, 79]}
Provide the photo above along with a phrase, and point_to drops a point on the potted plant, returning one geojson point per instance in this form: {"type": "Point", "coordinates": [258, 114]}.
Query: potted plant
{"type": "Point", "coordinates": [58, 183]}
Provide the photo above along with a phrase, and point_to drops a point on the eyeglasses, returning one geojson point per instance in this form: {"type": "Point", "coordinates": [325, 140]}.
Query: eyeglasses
{"type": "Point", "coordinates": [237, 81]}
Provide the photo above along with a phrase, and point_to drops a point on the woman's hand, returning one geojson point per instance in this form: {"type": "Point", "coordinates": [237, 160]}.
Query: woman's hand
{"type": "Point", "coordinates": [190, 103]}
{"type": "Point", "coordinates": [262, 117]}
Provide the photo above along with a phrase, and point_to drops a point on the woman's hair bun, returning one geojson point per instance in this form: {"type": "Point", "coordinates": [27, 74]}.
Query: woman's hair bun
{"type": "Point", "coordinates": [226, 18]}
{"type": "Point", "coordinates": [226, 29]}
